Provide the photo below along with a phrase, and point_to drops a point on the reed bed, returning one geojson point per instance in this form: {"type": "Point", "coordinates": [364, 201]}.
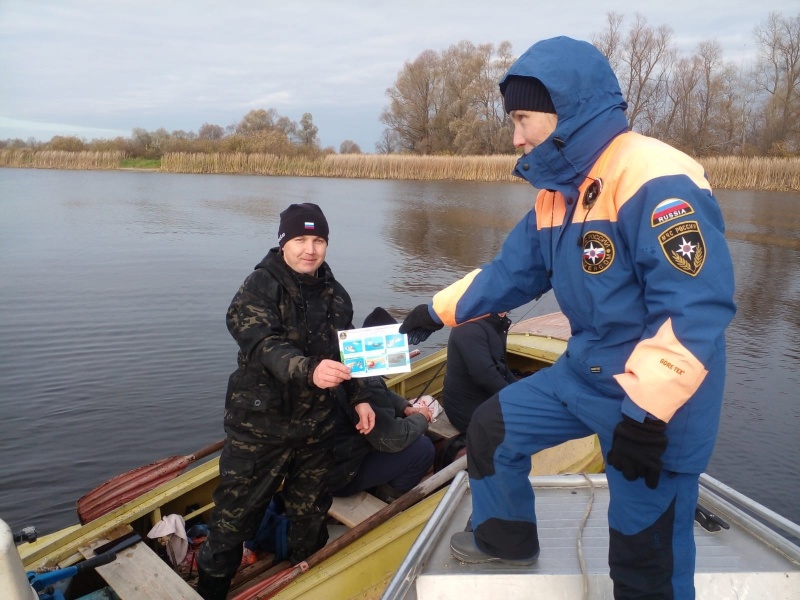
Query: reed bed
{"type": "Point", "coordinates": [724, 172]}
{"type": "Point", "coordinates": [60, 159]}
{"type": "Point", "coordinates": [753, 173]}
{"type": "Point", "coordinates": [354, 166]}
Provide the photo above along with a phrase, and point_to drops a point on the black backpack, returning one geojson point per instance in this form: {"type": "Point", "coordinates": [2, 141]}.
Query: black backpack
{"type": "Point", "coordinates": [447, 452]}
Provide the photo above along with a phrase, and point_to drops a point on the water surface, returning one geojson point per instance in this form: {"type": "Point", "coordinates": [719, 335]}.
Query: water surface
{"type": "Point", "coordinates": [114, 286]}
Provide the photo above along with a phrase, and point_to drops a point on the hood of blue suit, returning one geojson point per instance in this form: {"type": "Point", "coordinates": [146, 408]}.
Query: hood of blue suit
{"type": "Point", "coordinates": [589, 106]}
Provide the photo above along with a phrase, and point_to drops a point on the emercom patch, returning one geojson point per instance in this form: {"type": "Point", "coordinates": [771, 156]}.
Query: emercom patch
{"type": "Point", "coordinates": [684, 247]}
{"type": "Point", "coordinates": [670, 209]}
{"type": "Point", "coordinates": [598, 252]}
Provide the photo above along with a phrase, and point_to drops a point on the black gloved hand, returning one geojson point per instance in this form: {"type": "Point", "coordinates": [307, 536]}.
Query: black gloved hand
{"type": "Point", "coordinates": [637, 448]}
{"type": "Point", "coordinates": [419, 325]}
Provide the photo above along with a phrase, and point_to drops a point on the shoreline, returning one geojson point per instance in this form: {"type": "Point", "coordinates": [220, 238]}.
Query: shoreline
{"type": "Point", "coordinates": [724, 173]}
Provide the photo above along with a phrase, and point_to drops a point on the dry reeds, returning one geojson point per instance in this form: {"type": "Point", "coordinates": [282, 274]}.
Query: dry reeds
{"type": "Point", "coordinates": [728, 172]}
{"type": "Point", "coordinates": [753, 173]}
{"type": "Point", "coordinates": [60, 159]}
{"type": "Point", "coordinates": [353, 166]}
{"type": "Point", "coordinates": [725, 172]}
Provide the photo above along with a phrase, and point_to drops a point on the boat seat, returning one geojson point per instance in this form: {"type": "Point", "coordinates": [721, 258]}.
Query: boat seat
{"type": "Point", "coordinates": [442, 428]}
{"type": "Point", "coordinates": [352, 510]}
{"type": "Point", "coordinates": [138, 572]}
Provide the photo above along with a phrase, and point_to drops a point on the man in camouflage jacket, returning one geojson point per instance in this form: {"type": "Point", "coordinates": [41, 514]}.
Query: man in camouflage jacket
{"type": "Point", "coordinates": [280, 406]}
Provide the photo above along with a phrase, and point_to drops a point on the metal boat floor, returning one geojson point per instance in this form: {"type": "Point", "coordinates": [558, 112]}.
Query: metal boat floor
{"type": "Point", "coordinates": [734, 563]}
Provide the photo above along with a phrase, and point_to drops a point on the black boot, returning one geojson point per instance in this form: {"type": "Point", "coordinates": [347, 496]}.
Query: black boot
{"type": "Point", "coordinates": [386, 493]}
{"type": "Point", "coordinates": [462, 547]}
{"type": "Point", "coordinates": [212, 588]}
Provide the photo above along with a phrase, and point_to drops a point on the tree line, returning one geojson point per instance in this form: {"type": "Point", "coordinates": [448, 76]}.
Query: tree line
{"type": "Point", "coordinates": [260, 131]}
{"type": "Point", "coordinates": [448, 103]}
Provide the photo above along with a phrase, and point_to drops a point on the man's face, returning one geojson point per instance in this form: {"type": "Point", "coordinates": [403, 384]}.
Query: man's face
{"type": "Point", "coordinates": [305, 253]}
{"type": "Point", "coordinates": [532, 128]}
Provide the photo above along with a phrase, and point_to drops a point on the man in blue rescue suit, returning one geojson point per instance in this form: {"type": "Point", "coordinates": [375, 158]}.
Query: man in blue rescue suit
{"type": "Point", "coordinates": [627, 233]}
{"type": "Point", "coordinates": [279, 408]}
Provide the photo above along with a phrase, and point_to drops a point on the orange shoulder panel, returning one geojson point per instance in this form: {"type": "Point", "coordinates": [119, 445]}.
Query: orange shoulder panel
{"type": "Point", "coordinates": [630, 162]}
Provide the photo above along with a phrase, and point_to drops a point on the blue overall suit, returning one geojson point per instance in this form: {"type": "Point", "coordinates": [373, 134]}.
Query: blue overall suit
{"type": "Point", "coordinates": [628, 235]}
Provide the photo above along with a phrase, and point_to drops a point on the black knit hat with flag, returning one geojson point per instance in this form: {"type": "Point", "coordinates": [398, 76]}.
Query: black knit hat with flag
{"type": "Point", "coordinates": [526, 93]}
{"type": "Point", "coordinates": [302, 219]}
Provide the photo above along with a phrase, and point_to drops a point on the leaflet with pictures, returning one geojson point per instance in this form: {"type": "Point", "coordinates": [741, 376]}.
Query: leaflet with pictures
{"type": "Point", "coordinates": [369, 351]}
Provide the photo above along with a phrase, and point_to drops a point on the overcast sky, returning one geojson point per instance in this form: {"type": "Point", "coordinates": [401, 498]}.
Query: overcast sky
{"type": "Point", "coordinates": [99, 68]}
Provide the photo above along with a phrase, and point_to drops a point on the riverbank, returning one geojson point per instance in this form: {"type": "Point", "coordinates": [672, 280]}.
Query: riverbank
{"type": "Point", "coordinates": [725, 172]}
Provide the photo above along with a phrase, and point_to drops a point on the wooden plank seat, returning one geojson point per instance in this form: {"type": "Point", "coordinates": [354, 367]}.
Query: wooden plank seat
{"type": "Point", "coordinates": [442, 428]}
{"type": "Point", "coordinates": [352, 510]}
{"type": "Point", "coordinates": [138, 572]}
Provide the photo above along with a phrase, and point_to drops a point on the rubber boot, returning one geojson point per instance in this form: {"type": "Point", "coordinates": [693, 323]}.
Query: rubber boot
{"type": "Point", "coordinates": [212, 588]}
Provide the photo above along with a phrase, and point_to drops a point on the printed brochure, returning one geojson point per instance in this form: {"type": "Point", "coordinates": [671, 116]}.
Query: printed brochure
{"type": "Point", "coordinates": [369, 351]}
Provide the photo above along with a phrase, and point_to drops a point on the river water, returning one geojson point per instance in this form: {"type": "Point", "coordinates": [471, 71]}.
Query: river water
{"type": "Point", "coordinates": [114, 286]}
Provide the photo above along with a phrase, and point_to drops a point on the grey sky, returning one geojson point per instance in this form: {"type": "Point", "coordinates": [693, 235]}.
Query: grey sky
{"type": "Point", "coordinates": [99, 68]}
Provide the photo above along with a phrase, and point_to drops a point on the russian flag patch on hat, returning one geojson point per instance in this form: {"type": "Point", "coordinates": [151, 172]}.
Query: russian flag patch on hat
{"type": "Point", "coordinates": [309, 225]}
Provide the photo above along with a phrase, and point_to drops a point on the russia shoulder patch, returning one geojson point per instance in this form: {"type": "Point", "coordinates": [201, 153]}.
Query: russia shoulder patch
{"type": "Point", "coordinates": [667, 210]}
{"type": "Point", "coordinates": [684, 247]}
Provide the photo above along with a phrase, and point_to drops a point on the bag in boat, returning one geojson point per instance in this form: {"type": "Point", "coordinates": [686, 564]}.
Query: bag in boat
{"type": "Point", "coordinates": [273, 532]}
{"type": "Point", "coordinates": [432, 404]}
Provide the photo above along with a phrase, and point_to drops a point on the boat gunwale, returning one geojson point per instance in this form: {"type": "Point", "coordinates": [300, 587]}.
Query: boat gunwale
{"type": "Point", "coordinates": [748, 519]}
{"type": "Point", "coordinates": [409, 569]}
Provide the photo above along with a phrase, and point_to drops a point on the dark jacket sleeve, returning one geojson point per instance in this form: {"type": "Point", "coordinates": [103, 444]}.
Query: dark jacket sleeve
{"type": "Point", "coordinates": [481, 349]}
{"type": "Point", "coordinates": [392, 433]}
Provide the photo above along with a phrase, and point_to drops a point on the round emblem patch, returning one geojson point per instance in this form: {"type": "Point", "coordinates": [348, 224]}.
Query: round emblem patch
{"type": "Point", "coordinates": [598, 252]}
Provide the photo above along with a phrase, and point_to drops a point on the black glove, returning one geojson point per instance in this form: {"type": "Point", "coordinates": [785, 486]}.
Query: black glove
{"type": "Point", "coordinates": [419, 325]}
{"type": "Point", "coordinates": [637, 448]}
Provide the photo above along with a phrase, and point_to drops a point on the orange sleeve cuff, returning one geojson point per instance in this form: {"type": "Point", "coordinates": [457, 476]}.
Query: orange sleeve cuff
{"type": "Point", "coordinates": [446, 301]}
{"type": "Point", "coordinates": [661, 374]}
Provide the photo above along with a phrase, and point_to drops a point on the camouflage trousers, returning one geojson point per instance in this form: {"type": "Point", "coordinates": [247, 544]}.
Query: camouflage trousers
{"type": "Point", "coordinates": [250, 474]}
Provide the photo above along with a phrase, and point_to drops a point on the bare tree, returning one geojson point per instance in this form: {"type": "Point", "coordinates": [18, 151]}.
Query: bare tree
{"type": "Point", "coordinates": [307, 131]}
{"type": "Point", "coordinates": [701, 115]}
{"type": "Point", "coordinates": [484, 128]}
{"type": "Point", "coordinates": [412, 103]}
{"type": "Point", "coordinates": [288, 127]}
{"type": "Point", "coordinates": [141, 142]}
{"type": "Point", "coordinates": [460, 66]}
{"type": "Point", "coordinates": [388, 143]}
{"type": "Point", "coordinates": [208, 131]}
{"type": "Point", "coordinates": [69, 143]}
{"type": "Point", "coordinates": [349, 147]}
{"type": "Point", "coordinates": [642, 61]}
{"type": "Point", "coordinates": [676, 124]}
{"type": "Point", "coordinates": [778, 76]}
{"type": "Point", "coordinates": [610, 41]}
{"type": "Point", "coordinates": [450, 103]}
{"type": "Point", "coordinates": [257, 120]}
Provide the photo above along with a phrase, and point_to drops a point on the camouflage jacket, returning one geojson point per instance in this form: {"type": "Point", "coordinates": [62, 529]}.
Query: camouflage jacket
{"type": "Point", "coordinates": [285, 323]}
